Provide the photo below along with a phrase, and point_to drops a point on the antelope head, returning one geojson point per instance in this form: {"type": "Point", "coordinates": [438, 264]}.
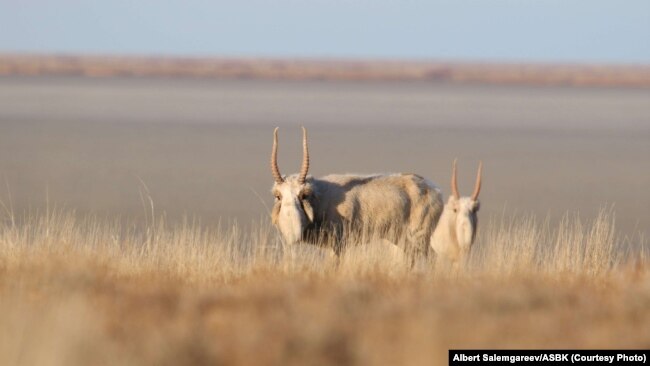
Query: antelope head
{"type": "Point", "coordinates": [456, 229]}
{"type": "Point", "coordinates": [293, 209]}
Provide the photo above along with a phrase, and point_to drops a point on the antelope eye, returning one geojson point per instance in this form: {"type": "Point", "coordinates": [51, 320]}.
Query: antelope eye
{"type": "Point", "coordinates": [278, 196]}
{"type": "Point", "coordinates": [304, 195]}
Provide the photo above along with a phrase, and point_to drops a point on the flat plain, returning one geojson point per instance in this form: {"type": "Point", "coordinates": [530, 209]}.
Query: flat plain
{"type": "Point", "coordinates": [202, 146]}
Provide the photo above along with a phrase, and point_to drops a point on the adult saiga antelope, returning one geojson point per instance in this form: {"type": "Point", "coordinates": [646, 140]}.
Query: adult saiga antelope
{"type": "Point", "coordinates": [401, 208]}
{"type": "Point", "coordinates": [456, 230]}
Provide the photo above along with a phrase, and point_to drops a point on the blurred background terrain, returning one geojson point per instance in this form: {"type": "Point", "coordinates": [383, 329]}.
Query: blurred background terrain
{"type": "Point", "coordinates": [201, 146]}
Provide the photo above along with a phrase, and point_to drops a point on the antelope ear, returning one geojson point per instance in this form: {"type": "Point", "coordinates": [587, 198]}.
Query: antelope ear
{"type": "Point", "coordinates": [275, 213]}
{"type": "Point", "coordinates": [309, 210]}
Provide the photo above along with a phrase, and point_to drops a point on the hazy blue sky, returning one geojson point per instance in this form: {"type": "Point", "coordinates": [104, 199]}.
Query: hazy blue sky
{"type": "Point", "coordinates": [513, 30]}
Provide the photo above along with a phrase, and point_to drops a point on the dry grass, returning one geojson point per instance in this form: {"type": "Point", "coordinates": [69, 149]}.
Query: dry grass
{"type": "Point", "coordinates": [305, 69]}
{"type": "Point", "coordinates": [88, 291]}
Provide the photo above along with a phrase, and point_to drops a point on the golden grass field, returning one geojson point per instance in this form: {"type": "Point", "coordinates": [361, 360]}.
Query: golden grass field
{"type": "Point", "coordinates": [88, 291]}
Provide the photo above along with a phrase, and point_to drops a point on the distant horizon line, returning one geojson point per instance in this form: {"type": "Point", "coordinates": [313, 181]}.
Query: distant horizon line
{"type": "Point", "coordinates": [325, 58]}
{"type": "Point", "coordinates": [321, 68]}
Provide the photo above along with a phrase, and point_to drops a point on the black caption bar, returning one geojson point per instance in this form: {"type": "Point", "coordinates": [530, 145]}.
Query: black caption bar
{"type": "Point", "coordinates": [551, 357]}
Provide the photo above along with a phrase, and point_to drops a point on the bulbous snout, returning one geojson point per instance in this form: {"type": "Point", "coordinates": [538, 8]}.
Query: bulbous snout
{"type": "Point", "coordinates": [466, 230]}
{"type": "Point", "coordinates": [292, 222]}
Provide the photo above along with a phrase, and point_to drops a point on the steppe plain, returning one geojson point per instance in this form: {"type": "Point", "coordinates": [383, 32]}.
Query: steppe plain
{"type": "Point", "coordinates": [135, 221]}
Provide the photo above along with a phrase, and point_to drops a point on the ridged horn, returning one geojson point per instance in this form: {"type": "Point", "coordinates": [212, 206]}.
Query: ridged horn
{"type": "Point", "coordinates": [274, 159]}
{"type": "Point", "coordinates": [477, 186]}
{"type": "Point", "coordinates": [305, 158]}
{"type": "Point", "coordinates": [454, 181]}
